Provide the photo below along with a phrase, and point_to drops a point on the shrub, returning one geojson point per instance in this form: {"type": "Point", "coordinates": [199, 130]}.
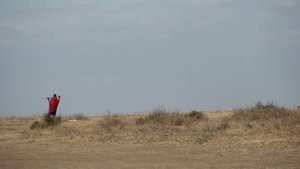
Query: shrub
{"type": "Point", "coordinates": [268, 105]}
{"type": "Point", "coordinates": [260, 112]}
{"type": "Point", "coordinates": [162, 117]}
{"type": "Point", "coordinates": [159, 116]}
{"type": "Point", "coordinates": [265, 115]}
{"type": "Point", "coordinates": [196, 114]}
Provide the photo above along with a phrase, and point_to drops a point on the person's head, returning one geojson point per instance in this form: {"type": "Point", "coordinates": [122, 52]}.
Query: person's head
{"type": "Point", "coordinates": [54, 95]}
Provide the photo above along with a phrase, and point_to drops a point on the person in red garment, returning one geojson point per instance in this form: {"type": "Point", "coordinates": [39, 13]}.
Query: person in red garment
{"type": "Point", "coordinates": [53, 103]}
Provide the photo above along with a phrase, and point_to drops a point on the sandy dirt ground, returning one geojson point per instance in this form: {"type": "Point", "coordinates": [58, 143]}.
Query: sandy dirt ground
{"type": "Point", "coordinates": [228, 149]}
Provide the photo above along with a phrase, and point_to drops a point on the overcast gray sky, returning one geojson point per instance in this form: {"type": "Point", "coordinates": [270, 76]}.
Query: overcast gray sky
{"type": "Point", "coordinates": [135, 55]}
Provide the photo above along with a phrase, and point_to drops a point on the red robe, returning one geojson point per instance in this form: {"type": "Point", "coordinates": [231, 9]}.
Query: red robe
{"type": "Point", "coordinates": [53, 103]}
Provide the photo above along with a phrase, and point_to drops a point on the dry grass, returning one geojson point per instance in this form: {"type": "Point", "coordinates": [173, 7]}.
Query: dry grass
{"type": "Point", "coordinates": [262, 136]}
{"type": "Point", "coordinates": [68, 131]}
{"type": "Point", "coordinates": [155, 126]}
{"type": "Point", "coordinates": [160, 125]}
{"type": "Point", "coordinates": [111, 123]}
{"type": "Point", "coordinates": [265, 115]}
{"type": "Point", "coordinates": [79, 116]}
{"type": "Point", "coordinates": [165, 118]}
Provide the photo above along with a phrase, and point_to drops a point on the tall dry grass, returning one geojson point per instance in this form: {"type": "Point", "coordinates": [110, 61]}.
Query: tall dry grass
{"type": "Point", "coordinates": [265, 115]}
{"type": "Point", "coordinates": [162, 125]}
{"type": "Point", "coordinates": [79, 116]}
{"type": "Point", "coordinates": [154, 126]}
{"type": "Point", "coordinates": [111, 122]}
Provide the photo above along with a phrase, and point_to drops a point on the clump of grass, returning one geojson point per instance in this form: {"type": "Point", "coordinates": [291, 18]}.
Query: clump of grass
{"type": "Point", "coordinates": [178, 119]}
{"type": "Point", "coordinates": [163, 117]}
{"type": "Point", "coordinates": [48, 121]}
{"type": "Point", "coordinates": [204, 138]}
{"type": "Point", "coordinates": [158, 116]}
{"type": "Point", "coordinates": [37, 124]}
{"type": "Point", "coordinates": [224, 124]}
{"type": "Point", "coordinates": [268, 114]}
{"type": "Point", "coordinates": [160, 124]}
{"type": "Point", "coordinates": [80, 117]}
{"type": "Point", "coordinates": [196, 114]}
{"type": "Point", "coordinates": [140, 121]}
{"type": "Point", "coordinates": [260, 112]}
{"type": "Point", "coordinates": [110, 122]}
{"type": "Point", "coordinates": [210, 128]}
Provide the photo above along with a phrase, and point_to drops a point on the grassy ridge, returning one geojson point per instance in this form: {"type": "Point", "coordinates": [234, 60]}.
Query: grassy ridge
{"type": "Point", "coordinates": [162, 125]}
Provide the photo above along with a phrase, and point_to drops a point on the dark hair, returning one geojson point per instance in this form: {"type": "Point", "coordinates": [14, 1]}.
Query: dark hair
{"type": "Point", "coordinates": [54, 95]}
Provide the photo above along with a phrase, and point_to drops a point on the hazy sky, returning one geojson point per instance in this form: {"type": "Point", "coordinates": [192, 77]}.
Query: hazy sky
{"type": "Point", "coordinates": [135, 55]}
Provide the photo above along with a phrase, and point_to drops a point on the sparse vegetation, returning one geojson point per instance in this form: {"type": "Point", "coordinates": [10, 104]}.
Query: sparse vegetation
{"type": "Point", "coordinates": [196, 114]}
{"type": "Point", "coordinates": [163, 117]}
{"type": "Point", "coordinates": [224, 124]}
{"type": "Point", "coordinates": [79, 116]}
{"type": "Point", "coordinates": [264, 128]}
{"type": "Point", "coordinates": [158, 116]}
{"type": "Point", "coordinates": [68, 131]}
{"type": "Point", "coordinates": [204, 138]}
{"type": "Point", "coordinates": [140, 121]}
{"type": "Point", "coordinates": [111, 122]}
{"type": "Point", "coordinates": [160, 124]}
{"type": "Point", "coordinates": [268, 115]}
{"type": "Point", "coordinates": [36, 124]}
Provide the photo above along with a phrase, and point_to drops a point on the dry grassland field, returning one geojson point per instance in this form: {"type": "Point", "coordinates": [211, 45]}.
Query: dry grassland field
{"type": "Point", "coordinates": [262, 136]}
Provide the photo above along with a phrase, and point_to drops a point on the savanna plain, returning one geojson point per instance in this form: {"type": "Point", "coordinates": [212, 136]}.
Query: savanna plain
{"type": "Point", "coordinates": [262, 136]}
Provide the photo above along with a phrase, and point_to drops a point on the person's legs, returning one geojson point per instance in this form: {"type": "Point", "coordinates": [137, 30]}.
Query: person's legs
{"type": "Point", "coordinates": [54, 113]}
